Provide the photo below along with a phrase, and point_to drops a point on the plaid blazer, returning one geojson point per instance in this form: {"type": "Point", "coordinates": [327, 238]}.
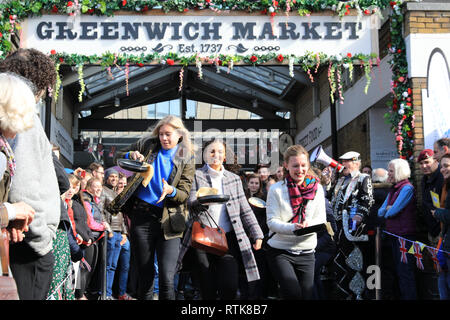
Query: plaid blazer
{"type": "Point", "coordinates": [241, 217]}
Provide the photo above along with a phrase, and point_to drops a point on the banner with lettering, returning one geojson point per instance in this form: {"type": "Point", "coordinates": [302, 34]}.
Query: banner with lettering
{"type": "Point", "coordinates": [203, 34]}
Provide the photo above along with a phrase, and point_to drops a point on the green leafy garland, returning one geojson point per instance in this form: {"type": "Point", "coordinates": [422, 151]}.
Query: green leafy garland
{"type": "Point", "coordinates": [12, 12]}
{"type": "Point", "coordinates": [401, 114]}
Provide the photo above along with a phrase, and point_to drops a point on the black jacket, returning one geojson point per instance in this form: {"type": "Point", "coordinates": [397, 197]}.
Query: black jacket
{"type": "Point", "coordinates": [80, 218]}
{"type": "Point", "coordinates": [325, 243]}
{"type": "Point", "coordinates": [443, 215]}
{"type": "Point", "coordinates": [380, 193]}
{"type": "Point", "coordinates": [432, 182]}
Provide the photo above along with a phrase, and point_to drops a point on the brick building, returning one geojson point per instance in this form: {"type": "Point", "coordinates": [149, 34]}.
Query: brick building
{"type": "Point", "coordinates": [359, 120]}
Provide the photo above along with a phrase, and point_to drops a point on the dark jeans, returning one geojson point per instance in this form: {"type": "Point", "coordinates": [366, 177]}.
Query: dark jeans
{"type": "Point", "coordinates": [266, 286]}
{"type": "Point", "coordinates": [91, 255]}
{"type": "Point", "coordinates": [405, 272]}
{"type": "Point", "coordinates": [294, 273]}
{"type": "Point", "coordinates": [32, 273]}
{"type": "Point", "coordinates": [148, 238]}
{"type": "Point", "coordinates": [219, 276]}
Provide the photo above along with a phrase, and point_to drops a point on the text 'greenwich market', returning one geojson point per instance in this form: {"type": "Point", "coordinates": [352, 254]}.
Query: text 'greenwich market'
{"type": "Point", "coordinates": [48, 30]}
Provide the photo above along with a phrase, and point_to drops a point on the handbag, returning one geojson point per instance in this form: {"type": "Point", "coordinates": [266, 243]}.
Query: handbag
{"type": "Point", "coordinates": [209, 239]}
{"type": "Point", "coordinates": [8, 288]}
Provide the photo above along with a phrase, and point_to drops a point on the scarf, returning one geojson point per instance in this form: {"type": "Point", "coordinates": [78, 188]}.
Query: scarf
{"type": "Point", "coordinates": [70, 214]}
{"type": "Point", "coordinates": [298, 193]}
{"type": "Point", "coordinates": [6, 149]}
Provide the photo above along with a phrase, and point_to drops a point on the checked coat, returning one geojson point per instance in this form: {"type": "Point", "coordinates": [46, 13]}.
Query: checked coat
{"type": "Point", "coordinates": [241, 217]}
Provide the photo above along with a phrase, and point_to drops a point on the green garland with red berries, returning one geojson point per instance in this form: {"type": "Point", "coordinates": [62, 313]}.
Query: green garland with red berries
{"type": "Point", "coordinates": [400, 115]}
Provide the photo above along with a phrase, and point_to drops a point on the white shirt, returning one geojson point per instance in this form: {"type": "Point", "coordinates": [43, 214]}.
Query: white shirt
{"type": "Point", "coordinates": [279, 211]}
{"type": "Point", "coordinates": [218, 211]}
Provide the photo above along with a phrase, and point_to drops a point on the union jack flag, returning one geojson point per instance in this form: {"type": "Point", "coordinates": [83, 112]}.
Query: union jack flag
{"type": "Point", "coordinates": [418, 256]}
{"type": "Point", "coordinates": [433, 253]}
{"type": "Point", "coordinates": [403, 250]}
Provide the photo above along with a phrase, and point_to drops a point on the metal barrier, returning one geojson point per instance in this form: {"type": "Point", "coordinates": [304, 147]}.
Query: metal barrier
{"type": "Point", "coordinates": [103, 265]}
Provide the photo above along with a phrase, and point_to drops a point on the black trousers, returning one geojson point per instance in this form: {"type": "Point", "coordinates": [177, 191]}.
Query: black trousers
{"type": "Point", "coordinates": [220, 277]}
{"type": "Point", "coordinates": [32, 273]}
{"type": "Point", "coordinates": [148, 238]}
{"type": "Point", "coordinates": [88, 278]}
{"type": "Point", "coordinates": [294, 273]}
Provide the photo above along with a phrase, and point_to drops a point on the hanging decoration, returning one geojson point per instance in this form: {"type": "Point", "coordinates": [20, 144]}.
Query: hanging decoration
{"type": "Point", "coordinates": [81, 81]}
{"type": "Point", "coordinates": [433, 253]}
{"type": "Point", "coordinates": [112, 151]}
{"type": "Point", "coordinates": [401, 114]}
{"type": "Point", "coordinates": [403, 250]}
{"type": "Point", "coordinates": [416, 250]}
{"type": "Point", "coordinates": [418, 255]}
{"type": "Point", "coordinates": [13, 12]}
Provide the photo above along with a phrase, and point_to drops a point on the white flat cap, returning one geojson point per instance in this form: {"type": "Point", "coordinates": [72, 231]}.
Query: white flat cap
{"type": "Point", "coordinates": [351, 155]}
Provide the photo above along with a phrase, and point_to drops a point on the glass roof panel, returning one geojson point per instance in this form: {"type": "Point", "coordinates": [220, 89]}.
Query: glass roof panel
{"type": "Point", "coordinates": [103, 79]}
{"type": "Point", "coordinates": [261, 76]}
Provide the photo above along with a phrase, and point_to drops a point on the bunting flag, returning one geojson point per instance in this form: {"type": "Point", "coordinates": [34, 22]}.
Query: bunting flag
{"type": "Point", "coordinates": [416, 250]}
{"type": "Point", "coordinates": [112, 151]}
{"type": "Point", "coordinates": [418, 255]}
{"type": "Point", "coordinates": [433, 253]}
{"type": "Point", "coordinates": [403, 250]}
{"type": "Point", "coordinates": [100, 149]}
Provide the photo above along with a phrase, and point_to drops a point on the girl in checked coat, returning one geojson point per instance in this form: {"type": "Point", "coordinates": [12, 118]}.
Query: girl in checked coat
{"type": "Point", "coordinates": [219, 276]}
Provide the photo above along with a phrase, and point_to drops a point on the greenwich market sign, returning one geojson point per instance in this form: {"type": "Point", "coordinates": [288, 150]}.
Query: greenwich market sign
{"type": "Point", "coordinates": [204, 35]}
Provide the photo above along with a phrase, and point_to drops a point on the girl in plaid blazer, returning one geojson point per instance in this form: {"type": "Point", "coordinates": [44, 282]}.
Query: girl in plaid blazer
{"type": "Point", "coordinates": [219, 276]}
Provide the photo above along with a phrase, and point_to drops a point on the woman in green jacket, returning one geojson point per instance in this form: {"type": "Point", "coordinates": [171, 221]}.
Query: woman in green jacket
{"type": "Point", "coordinates": [157, 211]}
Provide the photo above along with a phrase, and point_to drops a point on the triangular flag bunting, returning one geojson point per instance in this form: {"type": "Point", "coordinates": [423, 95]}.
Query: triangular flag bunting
{"type": "Point", "coordinates": [411, 250]}
{"type": "Point", "coordinates": [421, 245]}
{"type": "Point", "coordinates": [403, 250]}
{"type": "Point", "coordinates": [418, 255]}
{"type": "Point", "coordinates": [433, 253]}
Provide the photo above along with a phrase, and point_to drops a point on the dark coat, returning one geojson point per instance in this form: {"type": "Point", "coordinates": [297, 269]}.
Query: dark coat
{"type": "Point", "coordinates": [380, 193]}
{"type": "Point", "coordinates": [175, 212]}
{"type": "Point", "coordinates": [80, 218]}
{"type": "Point", "coordinates": [443, 215]}
{"type": "Point", "coordinates": [325, 242]}
{"type": "Point", "coordinates": [432, 182]}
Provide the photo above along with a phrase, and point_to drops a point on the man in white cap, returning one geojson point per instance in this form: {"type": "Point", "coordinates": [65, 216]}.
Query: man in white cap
{"type": "Point", "coordinates": [352, 199]}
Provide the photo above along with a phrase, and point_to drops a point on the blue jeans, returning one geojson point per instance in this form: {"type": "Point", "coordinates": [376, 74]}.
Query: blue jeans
{"type": "Point", "coordinates": [113, 253]}
{"type": "Point", "coordinates": [444, 283]}
{"type": "Point", "coordinates": [405, 272]}
{"type": "Point", "coordinates": [155, 285]}
{"type": "Point", "coordinates": [124, 267]}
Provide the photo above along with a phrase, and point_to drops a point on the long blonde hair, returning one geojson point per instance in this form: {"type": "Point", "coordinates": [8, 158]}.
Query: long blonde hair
{"type": "Point", "coordinates": [186, 148]}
